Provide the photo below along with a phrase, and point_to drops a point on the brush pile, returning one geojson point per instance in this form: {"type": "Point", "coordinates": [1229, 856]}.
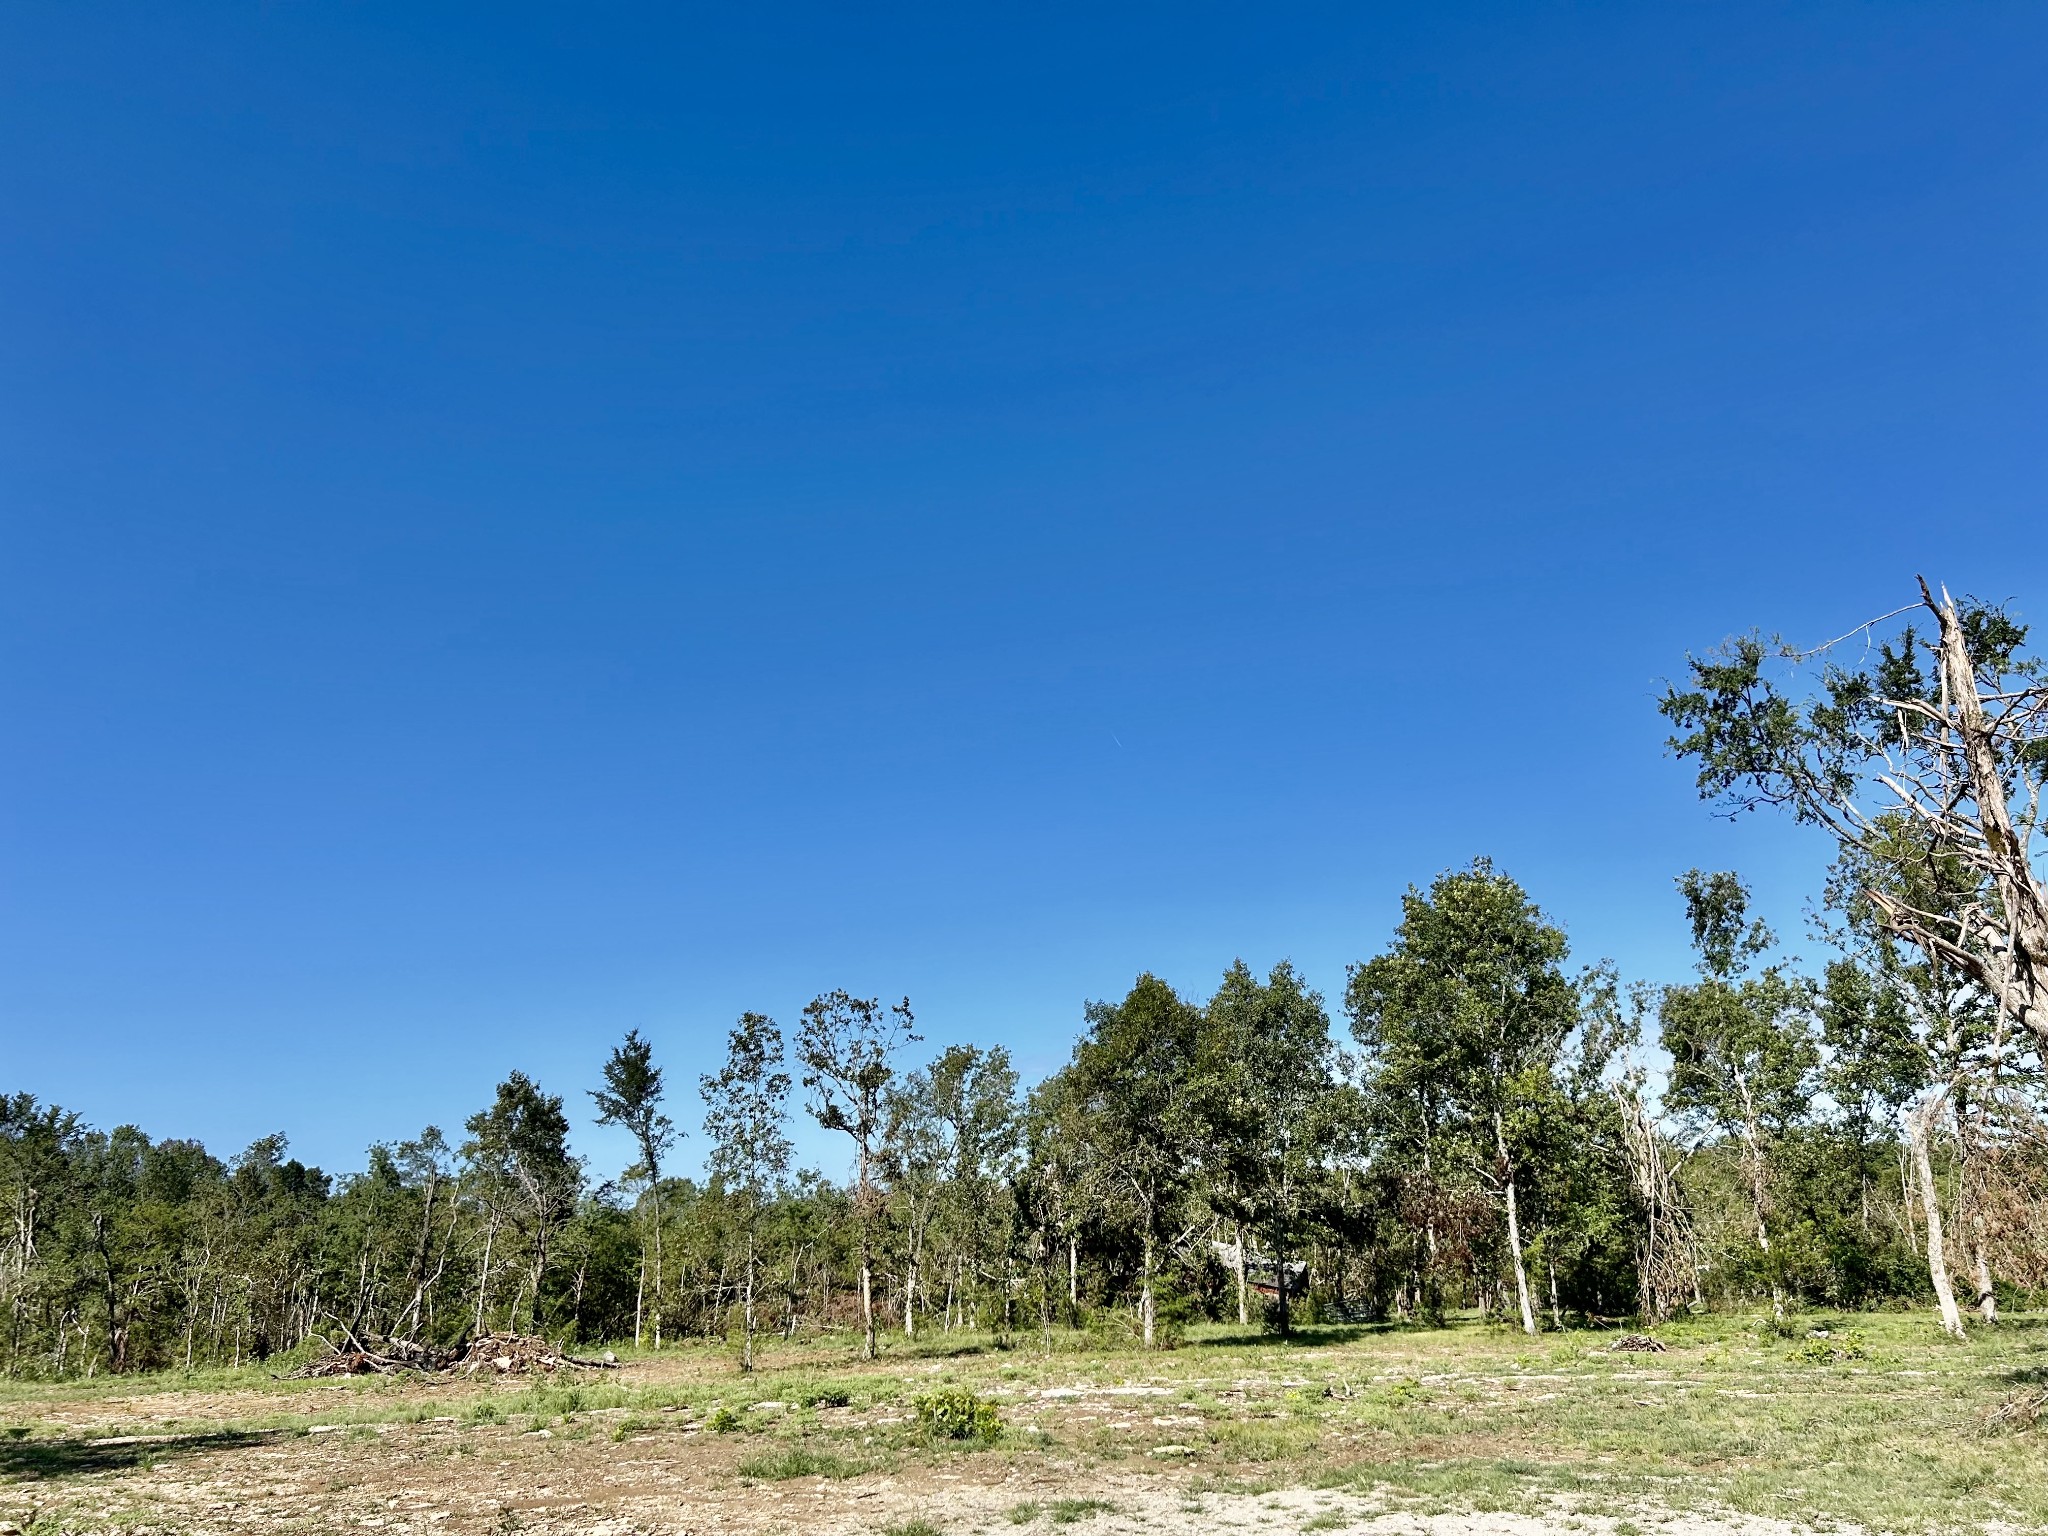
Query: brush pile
{"type": "Point", "coordinates": [507, 1354]}
{"type": "Point", "coordinates": [1637, 1344]}
{"type": "Point", "coordinates": [517, 1354]}
{"type": "Point", "coordinates": [380, 1357]}
{"type": "Point", "coordinates": [2022, 1411]}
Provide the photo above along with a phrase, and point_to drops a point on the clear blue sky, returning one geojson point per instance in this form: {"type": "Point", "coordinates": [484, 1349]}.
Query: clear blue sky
{"type": "Point", "coordinates": [521, 522]}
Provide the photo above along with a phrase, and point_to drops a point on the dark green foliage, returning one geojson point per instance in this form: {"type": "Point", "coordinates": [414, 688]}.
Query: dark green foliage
{"type": "Point", "coordinates": [1463, 1024]}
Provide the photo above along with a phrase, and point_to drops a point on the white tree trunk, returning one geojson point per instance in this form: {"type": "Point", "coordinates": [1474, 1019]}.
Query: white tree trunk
{"type": "Point", "coordinates": [869, 1347]}
{"type": "Point", "coordinates": [747, 1303]}
{"type": "Point", "coordinates": [1145, 1305]}
{"type": "Point", "coordinates": [1987, 1294]}
{"type": "Point", "coordinates": [1521, 1268]}
{"type": "Point", "coordinates": [1500, 1142]}
{"type": "Point", "coordinates": [1917, 1135]}
{"type": "Point", "coordinates": [1244, 1304]}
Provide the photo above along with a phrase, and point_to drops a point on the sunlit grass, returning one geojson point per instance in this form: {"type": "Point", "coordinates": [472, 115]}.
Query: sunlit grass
{"type": "Point", "coordinates": [1734, 1416]}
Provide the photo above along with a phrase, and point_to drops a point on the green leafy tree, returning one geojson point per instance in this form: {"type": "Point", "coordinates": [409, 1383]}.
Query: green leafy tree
{"type": "Point", "coordinates": [1059, 1188]}
{"type": "Point", "coordinates": [1742, 1046]}
{"type": "Point", "coordinates": [39, 1151]}
{"type": "Point", "coordinates": [847, 1047]}
{"type": "Point", "coordinates": [914, 1165]}
{"type": "Point", "coordinates": [1469, 1010]}
{"type": "Point", "coordinates": [520, 1149]}
{"type": "Point", "coordinates": [745, 1108]}
{"type": "Point", "coordinates": [631, 1098]}
{"type": "Point", "coordinates": [1132, 1072]}
{"type": "Point", "coordinates": [974, 1100]}
{"type": "Point", "coordinates": [427, 1165]}
{"type": "Point", "coordinates": [1267, 1096]}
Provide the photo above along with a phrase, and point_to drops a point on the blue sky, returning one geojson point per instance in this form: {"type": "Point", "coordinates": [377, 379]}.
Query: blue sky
{"type": "Point", "coordinates": [518, 523]}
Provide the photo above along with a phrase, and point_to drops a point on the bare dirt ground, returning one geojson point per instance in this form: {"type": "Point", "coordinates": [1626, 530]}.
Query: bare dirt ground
{"type": "Point", "coordinates": [447, 1478]}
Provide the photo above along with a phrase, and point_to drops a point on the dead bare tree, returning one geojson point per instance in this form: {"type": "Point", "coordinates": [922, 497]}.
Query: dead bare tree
{"type": "Point", "coordinates": [1947, 743]}
{"type": "Point", "coordinates": [1667, 1265]}
{"type": "Point", "coordinates": [1926, 762]}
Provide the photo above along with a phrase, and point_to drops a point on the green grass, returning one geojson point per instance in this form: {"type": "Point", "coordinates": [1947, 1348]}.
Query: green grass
{"type": "Point", "coordinates": [1884, 1427]}
{"type": "Point", "coordinates": [1069, 1511]}
{"type": "Point", "coordinates": [911, 1528]}
{"type": "Point", "coordinates": [796, 1461]}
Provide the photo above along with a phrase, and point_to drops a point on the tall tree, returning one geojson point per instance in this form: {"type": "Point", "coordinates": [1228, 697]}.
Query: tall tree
{"type": "Point", "coordinates": [631, 1098]}
{"type": "Point", "coordinates": [1059, 1187]}
{"type": "Point", "coordinates": [1131, 1070]}
{"type": "Point", "coordinates": [1267, 1096]}
{"type": "Point", "coordinates": [974, 1097]}
{"type": "Point", "coordinates": [914, 1164]}
{"type": "Point", "coordinates": [745, 1106]}
{"type": "Point", "coordinates": [521, 1147]}
{"type": "Point", "coordinates": [847, 1047]}
{"type": "Point", "coordinates": [1473, 995]}
{"type": "Point", "coordinates": [1741, 1041]}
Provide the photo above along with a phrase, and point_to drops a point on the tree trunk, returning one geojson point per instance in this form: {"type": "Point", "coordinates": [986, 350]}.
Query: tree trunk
{"type": "Point", "coordinates": [1987, 1295]}
{"type": "Point", "coordinates": [1145, 1303]}
{"type": "Point", "coordinates": [1284, 1322]}
{"type": "Point", "coordinates": [1917, 1132]}
{"type": "Point", "coordinates": [870, 1346]}
{"type": "Point", "coordinates": [1073, 1280]}
{"type": "Point", "coordinates": [1244, 1305]}
{"type": "Point", "coordinates": [2024, 903]}
{"type": "Point", "coordinates": [483, 1273]}
{"type": "Point", "coordinates": [747, 1311]}
{"type": "Point", "coordinates": [639, 1300]}
{"type": "Point", "coordinates": [655, 1179]}
{"type": "Point", "coordinates": [1500, 1142]}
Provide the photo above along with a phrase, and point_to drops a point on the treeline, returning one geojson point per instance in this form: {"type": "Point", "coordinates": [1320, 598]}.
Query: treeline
{"type": "Point", "coordinates": [1478, 1131]}
{"type": "Point", "coordinates": [1481, 1139]}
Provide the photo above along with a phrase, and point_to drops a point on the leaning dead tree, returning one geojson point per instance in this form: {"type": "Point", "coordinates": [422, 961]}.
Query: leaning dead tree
{"type": "Point", "coordinates": [1924, 753]}
{"type": "Point", "coordinates": [1667, 1267]}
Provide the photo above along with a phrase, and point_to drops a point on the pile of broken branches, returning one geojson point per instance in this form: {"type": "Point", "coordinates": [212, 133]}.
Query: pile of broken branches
{"type": "Point", "coordinates": [518, 1353]}
{"type": "Point", "coordinates": [1637, 1344]}
{"type": "Point", "coordinates": [505, 1353]}
{"type": "Point", "coordinates": [380, 1357]}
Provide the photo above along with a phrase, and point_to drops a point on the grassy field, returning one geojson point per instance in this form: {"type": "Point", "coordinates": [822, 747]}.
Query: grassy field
{"type": "Point", "coordinates": [1881, 1424]}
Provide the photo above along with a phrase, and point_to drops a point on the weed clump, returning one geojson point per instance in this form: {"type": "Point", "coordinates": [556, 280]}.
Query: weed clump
{"type": "Point", "coordinates": [796, 1461]}
{"type": "Point", "coordinates": [1067, 1511]}
{"type": "Point", "coordinates": [1829, 1350]}
{"type": "Point", "coordinates": [957, 1414]}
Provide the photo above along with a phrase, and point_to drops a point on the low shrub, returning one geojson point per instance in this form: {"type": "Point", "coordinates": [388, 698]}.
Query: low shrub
{"type": "Point", "coordinates": [954, 1413]}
